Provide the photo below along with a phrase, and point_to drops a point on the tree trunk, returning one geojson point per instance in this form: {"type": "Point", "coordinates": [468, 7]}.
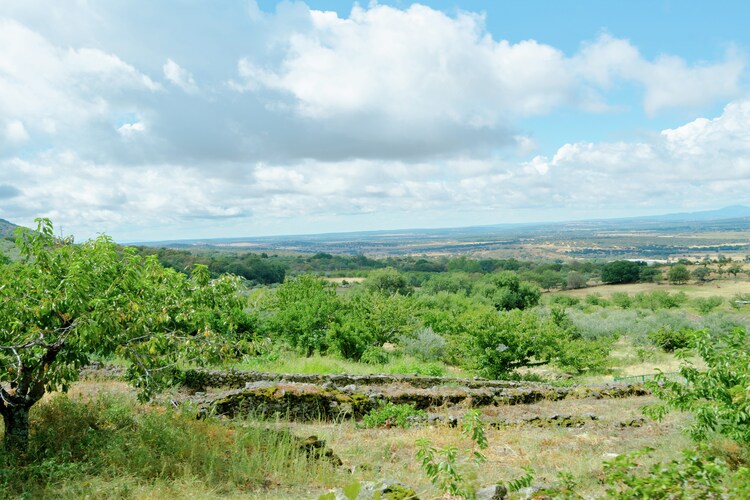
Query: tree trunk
{"type": "Point", "coordinates": [16, 420]}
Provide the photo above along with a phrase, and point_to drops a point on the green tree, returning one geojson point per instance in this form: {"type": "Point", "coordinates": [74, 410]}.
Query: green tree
{"type": "Point", "coordinates": [622, 271]}
{"type": "Point", "coordinates": [497, 344]}
{"type": "Point", "coordinates": [734, 269]}
{"type": "Point", "coordinates": [649, 274]}
{"type": "Point", "coordinates": [701, 273]}
{"type": "Point", "coordinates": [388, 281]}
{"type": "Point", "coordinates": [62, 303]}
{"type": "Point", "coordinates": [303, 309]}
{"type": "Point", "coordinates": [575, 280]}
{"type": "Point", "coordinates": [678, 274]}
{"type": "Point", "coordinates": [506, 291]}
{"type": "Point", "coordinates": [368, 319]}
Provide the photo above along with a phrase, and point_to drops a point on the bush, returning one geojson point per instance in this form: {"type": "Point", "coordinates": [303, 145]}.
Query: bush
{"type": "Point", "coordinates": [392, 415]}
{"type": "Point", "coordinates": [696, 475]}
{"type": "Point", "coordinates": [621, 299]}
{"type": "Point", "coordinates": [375, 355]}
{"type": "Point", "coordinates": [717, 396]}
{"type": "Point", "coordinates": [670, 340]}
{"type": "Point", "coordinates": [596, 299]}
{"type": "Point", "coordinates": [426, 346]}
{"type": "Point", "coordinates": [564, 300]}
{"type": "Point", "coordinates": [581, 355]}
{"type": "Point", "coordinates": [705, 305]}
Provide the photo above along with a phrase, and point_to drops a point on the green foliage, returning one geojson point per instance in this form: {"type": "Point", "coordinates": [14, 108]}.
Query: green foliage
{"type": "Point", "coordinates": [74, 444]}
{"type": "Point", "coordinates": [717, 396]}
{"type": "Point", "coordinates": [705, 305]}
{"type": "Point", "coordinates": [63, 303]}
{"type": "Point", "coordinates": [392, 415]}
{"type": "Point", "coordinates": [575, 280]}
{"type": "Point", "coordinates": [446, 467]}
{"type": "Point", "coordinates": [678, 274]}
{"type": "Point", "coordinates": [595, 299]}
{"type": "Point", "coordinates": [506, 291]}
{"type": "Point", "coordinates": [670, 340]}
{"type": "Point", "coordinates": [621, 299]}
{"type": "Point", "coordinates": [580, 355]}
{"type": "Point", "coordinates": [303, 309]}
{"type": "Point", "coordinates": [499, 343]}
{"type": "Point", "coordinates": [388, 281]}
{"type": "Point", "coordinates": [375, 355]}
{"type": "Point", "coordinates": [649, 274]}
{"type": "Point", "coordinates": [448, 282]}
{"type": "Point", "coordinates": [426, 346]}
{"type": "Point", "coordinates": [622, 271]}
{"type": "Point", "coordinates": [442, 466]}
{"type": "Point", "coordinates": [564, 300]}
{"type": "Point", "coordinates": [701, 273]}
{"type": "Point", "coordinates": [696, 475]}
{"type": "Point", "coordinates": [367, 319]}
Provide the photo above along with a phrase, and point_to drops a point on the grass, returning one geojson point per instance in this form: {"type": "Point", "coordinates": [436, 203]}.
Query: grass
{"type": "Point", "coordinates": [377, 453]}
{"type": "Point", "coordinates": [106, 446]}
{"type": "Point", "coordinates": [725, 288]}
{"type": "Point", "coordinates": [290, 362]}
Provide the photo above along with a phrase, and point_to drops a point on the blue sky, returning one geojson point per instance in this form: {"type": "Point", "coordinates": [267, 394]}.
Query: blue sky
{"type": "Point", "coordinates": [190, 119]}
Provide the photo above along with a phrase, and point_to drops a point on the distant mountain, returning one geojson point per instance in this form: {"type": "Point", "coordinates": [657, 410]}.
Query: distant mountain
{"type": "Point", "coordinates": [731, 212]}
{"type": "Point", "coordinates": [6, 228]}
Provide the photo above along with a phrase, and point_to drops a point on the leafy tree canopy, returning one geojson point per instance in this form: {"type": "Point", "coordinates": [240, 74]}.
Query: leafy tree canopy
{"type": "Point", "coordinates": [63, 303]}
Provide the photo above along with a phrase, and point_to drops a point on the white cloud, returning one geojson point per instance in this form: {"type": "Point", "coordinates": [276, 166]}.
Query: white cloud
{"type": "Point", "coordinates": [128, 130]}
{"type": "Point", "coordinates": [421, 65]}
{"type": "Point", "coordinates": [15, 132]}
{"type": "Point", "coordinates": [179, 76]}
{"type": "Point", "coordinates": [52, 88]}
{"type": "Point", "coordinates": [668, 81]}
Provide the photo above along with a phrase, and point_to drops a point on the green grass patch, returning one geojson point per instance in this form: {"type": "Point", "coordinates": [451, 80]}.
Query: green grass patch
{"type": "Point", "coordinates": [109, 447]}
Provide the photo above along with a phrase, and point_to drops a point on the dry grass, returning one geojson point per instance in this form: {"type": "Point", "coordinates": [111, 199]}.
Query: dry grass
{"type": "Point", "coordinates": [390, 453]}
{"type": "Point", "coordinates": [722, 288]}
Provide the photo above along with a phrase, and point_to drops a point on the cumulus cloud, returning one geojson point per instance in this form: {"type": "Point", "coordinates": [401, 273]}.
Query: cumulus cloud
{"type": "Point", "coordinates": [50, 88]}
{"type": "Point", "coordinates": [419, 65]}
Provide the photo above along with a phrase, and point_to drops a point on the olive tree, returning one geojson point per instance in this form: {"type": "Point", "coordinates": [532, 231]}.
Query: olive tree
{"type": "Point", "coordinates": [63, 303]}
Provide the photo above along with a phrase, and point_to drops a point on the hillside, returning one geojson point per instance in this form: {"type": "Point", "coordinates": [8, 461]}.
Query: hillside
{"type": "Point", "coordinates": [6, 228]}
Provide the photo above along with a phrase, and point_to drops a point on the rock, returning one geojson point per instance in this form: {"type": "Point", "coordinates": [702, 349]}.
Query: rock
{"type": "Point", "coordinates": [349, 389]}
{"type": "Point", "coordinates": [259, 384]}
{"type": "Point", "coordinates": [494, 492]}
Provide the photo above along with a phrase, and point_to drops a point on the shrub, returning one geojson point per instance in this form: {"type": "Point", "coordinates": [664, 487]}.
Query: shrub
{"type": "Point", "coordinates": [621, 271]}
{"type": "Point", "coordinates": [678, 274]}
{"type": "Point", "coordinates": [621, 299]}
{"type": "Point", "coordinates": [717, 396]}
{"type": "Point", "coordinates": [670, 340]}
{"type": "Point", "coordinates": [581, 355]}
{"type": "Point", "coordinates": [392, 415]}
{"type": "Point", "coordinates": [564, 300]}
{"type": "Point", "coordinates": [696, 475]}
{"type": "Point", "coordinates": [375, 355]}
{"type": "Point", "coordinates": [426, 346]}
{"type": "Point", "coordinates": [707, 304]}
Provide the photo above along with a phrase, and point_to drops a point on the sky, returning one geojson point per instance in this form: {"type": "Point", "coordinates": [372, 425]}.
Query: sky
{"type": "Point", "coordinates": [185, 119]}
